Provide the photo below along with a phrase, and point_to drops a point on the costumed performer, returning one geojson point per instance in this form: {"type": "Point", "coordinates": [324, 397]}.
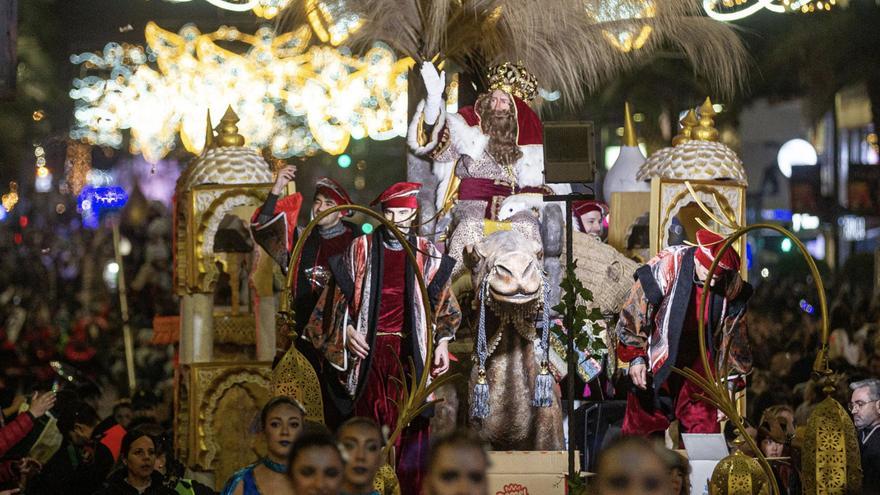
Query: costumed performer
{"type": "Point", "coordinates": [658, 329]}
{"type": "Point", "coordinates": [275, 229]}
{"type": "Point", "coordinates": [483, 154]}
{"type": "Point", "coordinates": [377, 324]}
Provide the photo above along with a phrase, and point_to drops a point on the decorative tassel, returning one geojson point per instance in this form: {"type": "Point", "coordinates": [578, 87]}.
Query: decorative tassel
{"type": "Point", "coordinates": [543, 388]}
{"type": "Point", "coordinates": [480, 397]}
{"type": "Point", "coordinates": [544, 381]}
{"type": "Point", "coordinates": [480, 401]}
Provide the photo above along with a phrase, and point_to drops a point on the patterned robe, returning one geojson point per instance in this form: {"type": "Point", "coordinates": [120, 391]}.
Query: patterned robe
{"type": "Point", "coordinates": [358, 277]}
{"type": "Point", "coordinates": [652, 318]}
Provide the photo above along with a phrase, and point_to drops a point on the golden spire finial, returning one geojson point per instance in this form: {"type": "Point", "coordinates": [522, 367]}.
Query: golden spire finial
{"type": "Point", "coordinates": [209, 133]}
{"type": "Point", "coordinates": [629, 129]}
{"type": "Point", "coordinates": [706, 131]}
{"type": "Point", "coordinates": [228, 134]}
{"type": "Point", "coordinates": [687, 126]}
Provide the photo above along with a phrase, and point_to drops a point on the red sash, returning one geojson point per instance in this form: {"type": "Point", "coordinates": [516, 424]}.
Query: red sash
{"type": "Point", "coordinates": [493, 192]}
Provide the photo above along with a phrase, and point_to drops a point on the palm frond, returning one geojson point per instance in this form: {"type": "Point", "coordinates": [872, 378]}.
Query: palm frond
{"type": "Point", "coordinates": [564, 43]}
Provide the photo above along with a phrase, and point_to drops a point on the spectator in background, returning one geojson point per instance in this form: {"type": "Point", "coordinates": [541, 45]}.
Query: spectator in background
{"type": "Point", "coordinates": [631, 465]}
{"type": "Point", "coordinates": [865, 408]}
{"type": "Point", "coordinates": [457, 465]}
{"type": "Point", "coordinates": [173, 472]}
{"type": "Point", "coordinates": [361, 442]}
{"type": "Point", "coordinates": [81, 464]}
{"type": "Point", "coordinates": [315, 465]}
{"type": "Point", "coordinates": [137, 474]}
{"type": "Point", "coordinates": [679, 471]}
{"type": "Point", "coordinates": [775, 432]}
{"type": "Point", "coordinates": [144, 405]}
{"type": "Point", "coordinates": [123, 413]}
{"type": "Point", "coordinates": [11, 470]}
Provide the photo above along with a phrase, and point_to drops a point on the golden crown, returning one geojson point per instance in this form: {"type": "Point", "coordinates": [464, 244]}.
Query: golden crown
{"type": "Point", "coordinates": [514, 79]}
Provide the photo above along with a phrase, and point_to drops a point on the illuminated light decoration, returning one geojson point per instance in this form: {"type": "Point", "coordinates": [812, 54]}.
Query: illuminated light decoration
{"type": "Point", "coordinates": [765, 273]}
{"type": "Point", "coordinates": [77, 165]}
{"type": "Point", "coordinates": [344, 160]}
{"type": "Point", "coordinates": [330, 21]}
{"type": "Point", "coordinates": [795, 152]}
{"type": "Point", "coordinates": [367, 228]}
{"type": "Point", "coordinates": [43, 181]}
{"type": "Point", "coordinates": [111, 275]}
{"type": "Point", "coordinates": [10, 199]}
{"type": "Point", "coordinates": [291, 99]}
{"type": "Point", "coordinates": [852, 228]}
{"type": "Point", "coordinates": [266, 9]}
{"type": "Point", "coordinates": [785, 245]}
{"type": "Point", "coordinates": [98, 178]}
{"type": "Point", "coordinates": [93, 201]}
{"type": "Point", "coordinates": [804, 221]}
{"type": "Point", "coordinates": [102, 198]}
{"type": "Point", "coordinates": [734, 10]}
{"type": "Point", "coordinates": [750, 256]}
{"type": "Point", "coordinates": [629, 38]}
{"type": "Point", "coordinates": [549, 95]}
{"type": "Point", "coordinates": [23, 221]}
{"type": "Point", "coordinates": [806, 307]}
{"type": "Point", "coordinates": [360, 183]}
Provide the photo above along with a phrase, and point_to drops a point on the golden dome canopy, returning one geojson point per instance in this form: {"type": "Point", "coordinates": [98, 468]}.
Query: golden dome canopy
{"type": "Point", "coordinates": [226, 160]}
{"type": "Point", "coordinates": [696, 154]}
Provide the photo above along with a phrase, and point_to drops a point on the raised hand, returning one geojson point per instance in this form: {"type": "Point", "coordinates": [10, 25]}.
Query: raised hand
{"type": "Point", "coordinates": [40, 403]}
{"type": "Point", "coordinates": [435, 82]}
{"type": "Point", "coordinates": [286, 175]}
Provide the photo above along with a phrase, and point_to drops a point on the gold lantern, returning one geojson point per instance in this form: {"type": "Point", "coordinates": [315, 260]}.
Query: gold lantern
{"type": "Point", "coordinates": [739, 474]}
{"type": "Point", "coordinates": [830, 463]}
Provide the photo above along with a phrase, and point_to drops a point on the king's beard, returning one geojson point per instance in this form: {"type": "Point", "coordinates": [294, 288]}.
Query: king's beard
{"type": "Point", "coordinates": [501, 128]}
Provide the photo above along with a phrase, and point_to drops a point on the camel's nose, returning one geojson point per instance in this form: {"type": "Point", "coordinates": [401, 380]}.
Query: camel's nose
{"type": "Point", "coordinates": [518, 269]}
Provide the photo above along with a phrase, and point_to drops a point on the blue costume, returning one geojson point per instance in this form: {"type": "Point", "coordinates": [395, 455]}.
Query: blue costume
{"type": "Point", "coordinates": [246, 477]}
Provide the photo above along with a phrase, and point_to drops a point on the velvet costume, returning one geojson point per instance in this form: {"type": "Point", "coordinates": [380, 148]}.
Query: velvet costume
{"type": "Point", "coordinates": [378, 295]}
{"type": "Point", "coordinates": [658, 323]}
{"type": "Point", "coordinates": [313, 273]}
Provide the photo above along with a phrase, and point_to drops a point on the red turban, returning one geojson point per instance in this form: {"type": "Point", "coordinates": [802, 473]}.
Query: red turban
{"type": "Point", "coordinates": [708, 246]}
{"type": "Point", "coordinates": [331, 189]}
{"type": "Point", "coordinates": [400, 195]}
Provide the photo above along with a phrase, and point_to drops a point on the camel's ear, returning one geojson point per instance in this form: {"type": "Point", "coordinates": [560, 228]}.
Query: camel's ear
{"type": "Point", "coordinates": [472, 255]}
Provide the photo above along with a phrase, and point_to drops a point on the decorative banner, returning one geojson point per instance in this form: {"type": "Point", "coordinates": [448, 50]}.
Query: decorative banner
{"type": "Point", "coordinates": [292, 99]}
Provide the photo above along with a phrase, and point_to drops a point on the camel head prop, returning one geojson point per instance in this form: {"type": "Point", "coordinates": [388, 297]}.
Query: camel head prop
{"type": "Point", "coordinates": [510, 265]}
